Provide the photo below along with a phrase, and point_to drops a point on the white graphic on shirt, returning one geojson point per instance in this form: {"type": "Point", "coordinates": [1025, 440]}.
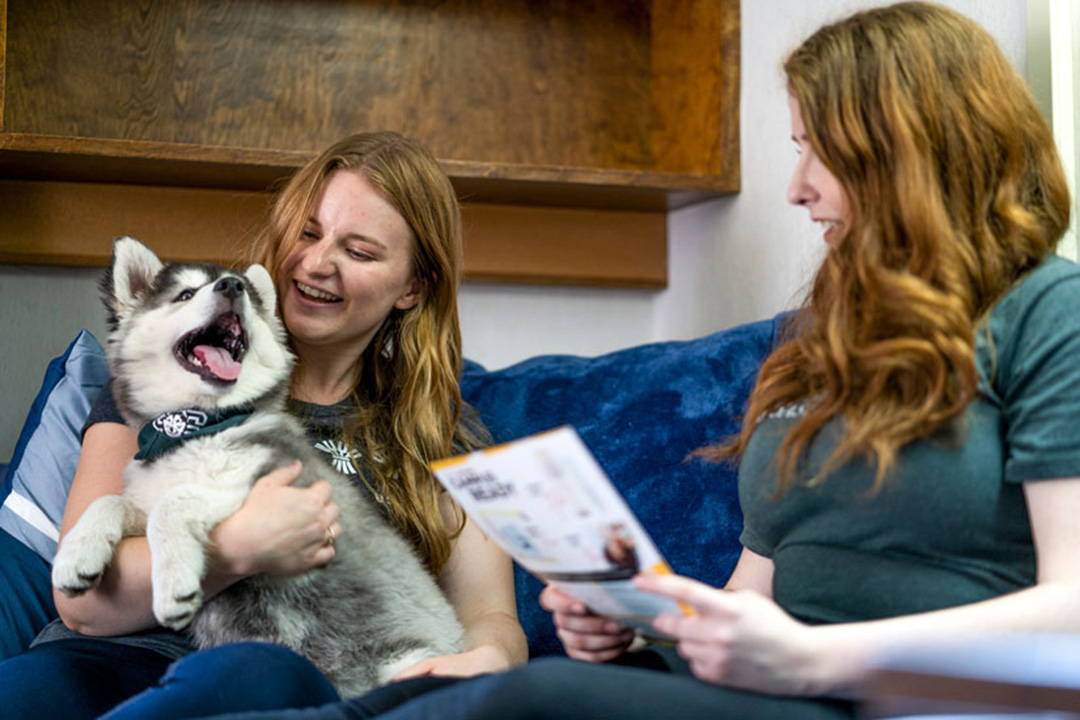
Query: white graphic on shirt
{"type": "Point", "coordinates": [340, 456]}
{"type": "Point", "coordinates": [787, 412]}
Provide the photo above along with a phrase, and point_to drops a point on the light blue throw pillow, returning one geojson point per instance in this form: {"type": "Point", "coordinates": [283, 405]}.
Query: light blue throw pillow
{"type": "Point", "coordinates": [41, 470]}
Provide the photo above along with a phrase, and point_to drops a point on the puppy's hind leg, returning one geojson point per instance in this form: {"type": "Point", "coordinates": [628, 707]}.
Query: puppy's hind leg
{"type": "Point", "coordinates": [87, 548]}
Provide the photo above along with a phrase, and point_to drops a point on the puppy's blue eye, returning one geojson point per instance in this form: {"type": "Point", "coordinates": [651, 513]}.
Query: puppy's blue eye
{"type": "Point", "coordinates": [185, 295]}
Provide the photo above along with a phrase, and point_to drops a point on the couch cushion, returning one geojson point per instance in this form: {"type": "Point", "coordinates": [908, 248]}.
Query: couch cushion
{"type": "Point", "coordinates": [641, 411]}
{"type": "Point", "coordinates": [43, 465]}
{"type": "Point", "coordinates": [35, 490]}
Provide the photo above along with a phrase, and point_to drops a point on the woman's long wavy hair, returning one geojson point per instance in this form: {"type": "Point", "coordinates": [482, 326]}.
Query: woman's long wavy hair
{"type": "Point", "coordinates": [956, 191]}
{"type": "Point", "coordinates": [408, 396]}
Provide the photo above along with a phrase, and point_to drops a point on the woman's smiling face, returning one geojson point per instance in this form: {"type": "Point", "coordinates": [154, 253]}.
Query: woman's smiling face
{"type": "Point", "coordinates": [814, 186]}
{"type": "Point", "coordinates": [352, 266]}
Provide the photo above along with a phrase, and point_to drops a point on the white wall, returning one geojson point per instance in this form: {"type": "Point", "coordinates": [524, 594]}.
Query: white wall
{"type": "Point", "coordinates": [731, 260]}
{"type": "Point", "coordinates": [1053, 72]}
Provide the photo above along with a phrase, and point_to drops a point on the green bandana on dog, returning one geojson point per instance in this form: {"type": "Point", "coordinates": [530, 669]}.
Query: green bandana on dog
{"type": "Point", "coordinates": [172, 429]}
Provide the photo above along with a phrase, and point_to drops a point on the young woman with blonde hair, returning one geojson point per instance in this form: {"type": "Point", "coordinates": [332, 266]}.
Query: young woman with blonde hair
{"type": "Point", "coordinates": [364, 244]}
{"type": "Point", "coordinates": [909, 464]}
{"type": "Point", "coordinates": [405, 389]}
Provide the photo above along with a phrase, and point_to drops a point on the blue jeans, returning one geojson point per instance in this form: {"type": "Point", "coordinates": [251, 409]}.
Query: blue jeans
{"type": "Point", "coordinates": [256, 679]}
{"type": "Point", "coordinates": [645, 686]}
{"type": "Point", "coordinates": [231, 678]}
{"type": "Point", "coordinates": [78, 678]}
{"type": "Point", "coordinates": [26, 604]}
{"type": "Point", "coordinates": [86, 678]}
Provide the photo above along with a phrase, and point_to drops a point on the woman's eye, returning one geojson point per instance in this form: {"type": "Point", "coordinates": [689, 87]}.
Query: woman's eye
{"type": "Point", "coordinates": [360, 255]}
{"type": "Point", "coordinates": [184, 295]}
{"type": "Point", "coordinates": [308, 235]}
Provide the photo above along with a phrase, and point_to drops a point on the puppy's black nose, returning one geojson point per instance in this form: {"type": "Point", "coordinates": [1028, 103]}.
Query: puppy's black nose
{"type": "Point", "coordinates": [230, 287]}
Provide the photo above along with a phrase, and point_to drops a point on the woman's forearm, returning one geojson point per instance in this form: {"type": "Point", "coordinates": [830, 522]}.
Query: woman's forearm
{"type": "Point", "coordinates": [501, 634]}
{"type": "Point", "coordinates": [123, 602]}
{"type": "Point", "coordinates": [848, 651]}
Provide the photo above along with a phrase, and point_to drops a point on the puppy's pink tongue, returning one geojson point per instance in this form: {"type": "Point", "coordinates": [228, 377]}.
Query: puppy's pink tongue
{"type": "Point", "coordinates": [218, 360]}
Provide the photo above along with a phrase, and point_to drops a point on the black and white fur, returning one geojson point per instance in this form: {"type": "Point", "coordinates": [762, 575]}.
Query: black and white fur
{"type": "Point", "coordinates": [373, 611]}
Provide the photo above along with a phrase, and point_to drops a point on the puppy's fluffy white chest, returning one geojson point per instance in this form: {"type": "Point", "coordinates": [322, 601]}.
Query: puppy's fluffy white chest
{"type": "Point", "coordinates": [211, 462]}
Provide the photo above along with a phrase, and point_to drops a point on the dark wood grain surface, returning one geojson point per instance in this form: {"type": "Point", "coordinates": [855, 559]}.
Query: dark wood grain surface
{"type": "Point", "coordinates": [628, 106]}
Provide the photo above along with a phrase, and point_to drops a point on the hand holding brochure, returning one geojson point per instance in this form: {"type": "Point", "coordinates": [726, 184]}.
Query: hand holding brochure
{"type": "Point", "coordinates": [546, 501]}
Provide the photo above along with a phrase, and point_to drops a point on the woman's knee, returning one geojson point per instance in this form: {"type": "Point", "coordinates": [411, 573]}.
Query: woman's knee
{"type": "Point", "coordinates": [265, 667]}
{"type": "Point", "coordinates": [544, 687]}
{"type": "Point", "coordinates": [232, 678]}
{"type": "Point", "coordinates": [75, 678]}
{"type": "Point", "coordinates": [239, 659]}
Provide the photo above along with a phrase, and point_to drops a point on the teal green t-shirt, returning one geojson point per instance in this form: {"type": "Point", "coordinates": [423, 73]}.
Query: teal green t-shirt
{"type": "Point", "coordinates": [951, 526]}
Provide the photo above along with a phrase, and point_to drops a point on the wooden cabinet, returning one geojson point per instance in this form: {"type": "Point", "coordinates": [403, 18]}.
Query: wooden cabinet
{"type": "Point", "coordinates": [584, 115]}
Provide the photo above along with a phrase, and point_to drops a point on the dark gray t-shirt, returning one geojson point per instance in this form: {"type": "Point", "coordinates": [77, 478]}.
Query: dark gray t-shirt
{"type": "Point", "coordinates": [324, 425]}
{"type": "Point", "coordinates": [951, 525]}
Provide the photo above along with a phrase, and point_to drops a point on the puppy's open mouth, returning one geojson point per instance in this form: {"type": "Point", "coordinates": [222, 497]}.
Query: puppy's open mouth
{"type": "Point", "coordinates": [216, 351]}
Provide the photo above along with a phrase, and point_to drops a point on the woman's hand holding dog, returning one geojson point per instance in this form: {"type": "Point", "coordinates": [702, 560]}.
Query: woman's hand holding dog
{"type": "Point", "coordinates": [483, 659]}
{"type": "Point", "coordinates": [281, 529]}
{"type": "Point", "coordinates": [584, 635]}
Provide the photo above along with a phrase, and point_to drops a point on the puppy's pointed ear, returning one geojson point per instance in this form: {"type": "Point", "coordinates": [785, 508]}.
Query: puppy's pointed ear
{"type": "Point", "coordinates": [263, 284]}
{"type": "Point", "coordinates": [131, 272]}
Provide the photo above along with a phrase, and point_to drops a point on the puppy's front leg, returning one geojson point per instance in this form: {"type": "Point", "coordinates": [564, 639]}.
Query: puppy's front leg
{"type": "Point", "coordinates": [88, 547]}
{"type": "Point", "coordinates": [178, 530]}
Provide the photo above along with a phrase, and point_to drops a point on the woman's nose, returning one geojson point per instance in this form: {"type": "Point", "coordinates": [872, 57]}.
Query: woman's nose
{"type": "Point", "coordinates": [799, 191]}
{"type": "Point", "coordinates": [317, 257]}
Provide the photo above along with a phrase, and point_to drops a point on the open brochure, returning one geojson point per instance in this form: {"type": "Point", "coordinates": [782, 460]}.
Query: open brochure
{"type": "Point", "coordinates": [547, 502]}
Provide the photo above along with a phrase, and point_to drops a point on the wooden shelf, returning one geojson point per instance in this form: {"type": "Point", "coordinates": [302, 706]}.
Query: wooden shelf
{"type": "Point", "coordinates": [133, 162]}
{"type": "Point", "coordinates": [616, 109]}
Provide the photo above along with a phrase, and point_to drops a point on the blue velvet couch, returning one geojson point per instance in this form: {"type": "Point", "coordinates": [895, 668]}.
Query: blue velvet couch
{"type": "Point", "coordinates": [641, 410]}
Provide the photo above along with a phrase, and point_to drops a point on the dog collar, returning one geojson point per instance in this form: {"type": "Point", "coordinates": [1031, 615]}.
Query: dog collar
{"type": "Point", "coordinates": [170, 430]}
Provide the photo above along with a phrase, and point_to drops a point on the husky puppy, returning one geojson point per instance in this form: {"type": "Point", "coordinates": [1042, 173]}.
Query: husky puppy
{"type": "Point", "coordinates": [201, 371]}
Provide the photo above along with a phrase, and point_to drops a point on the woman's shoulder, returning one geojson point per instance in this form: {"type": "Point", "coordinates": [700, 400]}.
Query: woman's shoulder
{"type": "Point", "coordinates": [1036, 322]}
{"type": "Point", "coordinates": [1053, 278]}
{"type": "Point", "coordinates": [1046, 296]}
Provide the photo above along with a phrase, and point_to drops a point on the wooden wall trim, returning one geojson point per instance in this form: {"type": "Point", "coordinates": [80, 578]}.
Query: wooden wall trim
{"type": "Point", "coordinates": [565, 246]}
{"type": "Point", "coordinates": [64, 223]}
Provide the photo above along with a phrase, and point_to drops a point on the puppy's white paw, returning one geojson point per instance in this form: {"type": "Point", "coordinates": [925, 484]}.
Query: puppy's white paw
{"type": "Point", "coordinates": [176, 599]}
{"type": "Point", "coordinates": [79, 566]}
